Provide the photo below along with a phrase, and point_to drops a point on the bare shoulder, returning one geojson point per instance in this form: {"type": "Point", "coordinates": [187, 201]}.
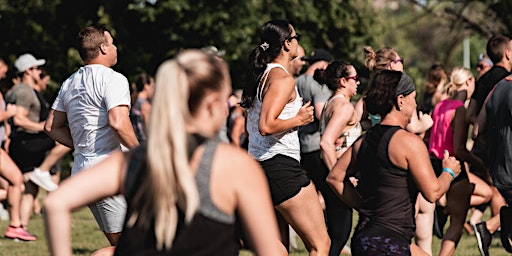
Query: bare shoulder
{"type": "Point", "coordinates": [280, 76]}
{"type": "Point", "coordinates": [405, 146]}
{"type": "Point", "coordinates": [235, 161]}
{"type": "Point", "coordinates": [407, 139]}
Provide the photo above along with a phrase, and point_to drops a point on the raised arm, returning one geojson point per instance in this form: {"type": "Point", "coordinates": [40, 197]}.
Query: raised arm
{"type": "Point", "coordinates": [103, 180]}
{"type": "Point", "coordinates": [57, 128]}
{"type": "Point", "coordinates": [280, 91]}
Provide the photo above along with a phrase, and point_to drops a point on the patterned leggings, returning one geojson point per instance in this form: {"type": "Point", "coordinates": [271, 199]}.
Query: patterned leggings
{"type": "Point", "coordinates": [377, 245]}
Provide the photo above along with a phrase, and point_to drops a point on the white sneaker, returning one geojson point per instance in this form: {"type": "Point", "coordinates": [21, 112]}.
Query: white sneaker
{"type": "Point", "coordinates": [43, 180]}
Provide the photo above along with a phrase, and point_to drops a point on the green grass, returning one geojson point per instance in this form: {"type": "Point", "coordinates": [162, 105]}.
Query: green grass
{"type": "Point", "coordinates": [86, 238]}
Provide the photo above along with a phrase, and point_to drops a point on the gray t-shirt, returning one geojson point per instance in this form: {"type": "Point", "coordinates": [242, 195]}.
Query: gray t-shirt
{"type": "Point", "coordinates": [86, 97]}
{"type": "Point", "coordinates": [25, 97]}
{"type": "Point", "coordinates": [310, 90]}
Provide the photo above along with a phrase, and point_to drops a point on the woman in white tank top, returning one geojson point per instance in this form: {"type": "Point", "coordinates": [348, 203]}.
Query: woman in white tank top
{"type": "Point", "coordinates": [274, 112]}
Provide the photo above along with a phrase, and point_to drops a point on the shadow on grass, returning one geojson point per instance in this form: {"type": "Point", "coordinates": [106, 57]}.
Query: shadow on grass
{"type": "Point", "coordinates": [82, 251]}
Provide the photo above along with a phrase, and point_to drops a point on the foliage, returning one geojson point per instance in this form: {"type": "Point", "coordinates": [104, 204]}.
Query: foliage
{"type": "Point", "coordinates": [147, 32]}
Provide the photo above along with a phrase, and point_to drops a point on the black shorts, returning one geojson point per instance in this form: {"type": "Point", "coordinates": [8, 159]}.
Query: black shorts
{"type": "Point", "coordinates": [29, 150]}
{"type": "Point", "coordinates": [285, 177]}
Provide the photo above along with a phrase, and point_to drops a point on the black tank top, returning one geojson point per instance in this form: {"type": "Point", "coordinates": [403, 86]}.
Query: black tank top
{"type": "Point", "coordinates": [388, 192]}
{"type": "Point", "coordinates": [211, 232]}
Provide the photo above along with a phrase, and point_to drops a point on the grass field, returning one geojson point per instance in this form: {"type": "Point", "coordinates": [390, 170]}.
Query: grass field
{"type": "Point", "coordinates": [87, 238]}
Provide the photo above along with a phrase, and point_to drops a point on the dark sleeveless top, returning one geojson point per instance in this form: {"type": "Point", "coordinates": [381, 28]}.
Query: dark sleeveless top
{"type": "Point", "coordinates": [211, 232]}
{"type": "Point", "coordinates": [388, 192]}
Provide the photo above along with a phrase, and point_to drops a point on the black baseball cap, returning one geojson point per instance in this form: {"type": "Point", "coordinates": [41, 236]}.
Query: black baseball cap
{"type": "Point", "coordinates": [319, 54]}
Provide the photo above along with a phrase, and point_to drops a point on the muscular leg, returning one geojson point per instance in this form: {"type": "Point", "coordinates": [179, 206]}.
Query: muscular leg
{"type": "Point", "coordinates": [482, 192]}
{"type": "Point", "coordinates": [304, 213]}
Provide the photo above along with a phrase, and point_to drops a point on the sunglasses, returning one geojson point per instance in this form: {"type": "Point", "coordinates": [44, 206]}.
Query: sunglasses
{"type": "Point", "coordinates": [481, 66]}
{"type": "Point", "coordinates": [401, 60]}
{"type": "Point", "coordinates": [36, 68]}
{"type": "Point", "coordinates": [356, 77]}
{"type": "Point", "coordinates": [296, 36]}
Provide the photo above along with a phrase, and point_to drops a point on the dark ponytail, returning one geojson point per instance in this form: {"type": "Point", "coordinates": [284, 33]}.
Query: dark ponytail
{"type": "Point", "coordinates": [332, 74]}
{"type": "Point", "coordinates": [272, 36]}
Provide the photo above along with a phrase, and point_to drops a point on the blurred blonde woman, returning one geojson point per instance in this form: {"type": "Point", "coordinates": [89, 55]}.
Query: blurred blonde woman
{"type": "Point", "coordinates": [450, 133]}
{"type": "Point", "coordinates": [182, 187]}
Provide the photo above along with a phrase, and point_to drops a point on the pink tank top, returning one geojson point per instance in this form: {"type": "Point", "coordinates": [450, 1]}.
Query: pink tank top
{"type": "Point", "coordinates": [441, 134]}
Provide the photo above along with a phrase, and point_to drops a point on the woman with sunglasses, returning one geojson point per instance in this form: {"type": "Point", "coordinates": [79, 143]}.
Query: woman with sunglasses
{"type": "Point", "coordinates": [275, 111]}
{"type": "Point", "coordinates": [339, 128]}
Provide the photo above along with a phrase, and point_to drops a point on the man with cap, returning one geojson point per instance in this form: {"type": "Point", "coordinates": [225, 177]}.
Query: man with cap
{"type": "Point", "coordinates": [484, 65]}
{"type": "Point", "coordinates": [29, 143]}
{"type": "Point", "coordinates": [338, 215]}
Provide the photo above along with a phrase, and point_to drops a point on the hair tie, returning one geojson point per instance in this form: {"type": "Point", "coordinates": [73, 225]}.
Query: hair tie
{"type": "Point", "coordinates": [264, 46]}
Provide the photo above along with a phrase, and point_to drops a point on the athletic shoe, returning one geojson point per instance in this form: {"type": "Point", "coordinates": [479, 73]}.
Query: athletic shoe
{"type": "Point", "coordinates": [19, 233]}
{"type": "Point", "coordinates": [506, 228]}
{"type": "Point", "coordinates": [440, 219]}
{"type": "Point", "coordinates": [483, 237]}
{"type": "Point", "coordinates": [43, 180]}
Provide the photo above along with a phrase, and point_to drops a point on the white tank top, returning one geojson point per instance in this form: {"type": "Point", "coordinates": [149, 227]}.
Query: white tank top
{"type": "Point", "coordinates": [284, 143]}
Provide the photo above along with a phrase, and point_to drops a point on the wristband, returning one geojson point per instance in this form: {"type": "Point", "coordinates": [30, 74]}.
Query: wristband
{"type": "Point", "coordinates": [450, 171]}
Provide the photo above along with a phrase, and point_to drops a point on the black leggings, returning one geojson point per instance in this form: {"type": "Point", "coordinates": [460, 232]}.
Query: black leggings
{"type": "Point", "coordinates": [337, 214]}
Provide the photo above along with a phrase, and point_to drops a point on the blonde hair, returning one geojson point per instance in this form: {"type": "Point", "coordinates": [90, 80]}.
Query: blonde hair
{"type": "Point", "coordinates": [181, 84]}
{"type": "Point", "coordinates": [458, 77]}
{"type": "Point", "coordinates": [380, 59]}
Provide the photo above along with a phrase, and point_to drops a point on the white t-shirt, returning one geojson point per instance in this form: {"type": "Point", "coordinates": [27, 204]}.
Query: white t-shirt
{"type": "Point", "coordinates": [86, 97]}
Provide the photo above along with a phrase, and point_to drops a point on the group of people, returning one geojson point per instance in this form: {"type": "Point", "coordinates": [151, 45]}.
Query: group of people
{"type": "Point", "coordinates": [28, 155]}
{"type": "Point", "coordinates": [149, 164]}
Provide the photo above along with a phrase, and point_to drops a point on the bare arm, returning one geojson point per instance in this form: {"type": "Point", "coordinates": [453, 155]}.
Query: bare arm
{"type": "Point", "coordinates": [420, 123]}
{"type": "Point", "coordinates": [118, 118]}
{"type": "Point", "coordinates": [341, 115]}
{"type": "Point", "coordinates": [21, 120]}
{"type": "Point", "coordinates": [280, 92]}
{"type": "Point", "coordinates": [237, 130]}
{"type": "Point", "coordinates": [319, 106]}
{"type": "Point", "coordinates": [57, 128]}
{"type": "Point", "coordinates": [146, 110]}
{"type": "Point", "coordinates": [344, 167]}
{"type": "Point", "coordinates": [460, 137]}
{"type": "Point", "coordinates": [77, 191]}
{"type": "Point", "coordinates": [408, 151]}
